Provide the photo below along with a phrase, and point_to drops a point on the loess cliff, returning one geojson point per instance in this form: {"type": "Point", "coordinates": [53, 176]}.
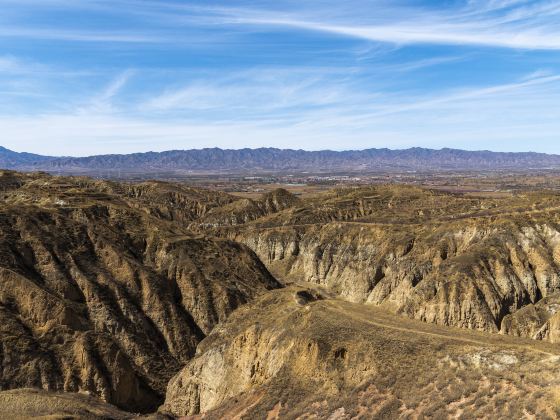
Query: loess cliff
{"type": "Point", "coordinates": [301, 353]}
{"type": "Point", "coordinates": [153, 294]}
{"type": "Point", "coordinates": [99, 295]}
{"type": "Point", "coordinates": [446, 259]}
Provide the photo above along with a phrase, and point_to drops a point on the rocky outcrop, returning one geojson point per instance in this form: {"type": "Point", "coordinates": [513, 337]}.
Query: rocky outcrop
{"type": "Point", "coordinates": [539, 321]}
{"type": "Point", "coordinates": [128, 291]}
{"type": "Point", "coordinates": [550, 330]}
{"type": "Point", "coordinates": [453, 275]}
{"type": "Point", "coordinates": [461, 261]}
{"type": "Point", "coordinates": [98, 295]}
{"type": "Point", "coordinates": [295, 353]}
{"type": "Point", "coordinates": [257, 353]}
{"type": "Point", "coordinates": [173, 202]}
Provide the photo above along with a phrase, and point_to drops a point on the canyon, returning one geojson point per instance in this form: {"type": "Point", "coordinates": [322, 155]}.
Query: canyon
{"type": "Point", "coordinates": [98, 296]}
{"type": "Point", "coordinates": [158, 299]}
{"type": "Point", "coordinates": [445, 259]}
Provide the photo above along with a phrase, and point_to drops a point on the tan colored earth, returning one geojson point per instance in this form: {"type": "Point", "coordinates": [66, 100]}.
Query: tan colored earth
{"type": "Point", "coordinates": [121, 299]}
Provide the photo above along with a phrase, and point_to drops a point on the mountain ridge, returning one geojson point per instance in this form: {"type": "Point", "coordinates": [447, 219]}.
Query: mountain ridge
{"type": "Point", "coordinates": [9, 157]}
{"type": "Point", "coordinates": [216, 160]}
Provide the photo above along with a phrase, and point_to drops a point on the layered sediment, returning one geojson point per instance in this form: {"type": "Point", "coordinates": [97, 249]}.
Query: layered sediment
{"type": "Point", "coordinates": [98, 295]}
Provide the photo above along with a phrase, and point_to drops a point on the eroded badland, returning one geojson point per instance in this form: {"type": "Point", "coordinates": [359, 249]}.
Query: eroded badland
{"type": "Point", "coordinates": [371, 301]}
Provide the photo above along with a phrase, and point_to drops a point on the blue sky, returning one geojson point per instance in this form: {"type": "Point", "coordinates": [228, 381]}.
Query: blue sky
{"type": "Point", "coordinates": [119, 76]}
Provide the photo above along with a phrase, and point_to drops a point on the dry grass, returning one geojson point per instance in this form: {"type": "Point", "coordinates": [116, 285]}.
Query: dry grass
{"type": "Point", "coordinates": [416, 370]}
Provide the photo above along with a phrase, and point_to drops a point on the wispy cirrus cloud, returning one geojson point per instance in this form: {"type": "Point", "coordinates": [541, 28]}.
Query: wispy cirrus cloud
{"type": "Point", "coordinates": [10, 64]}
{"type": "Point", "coordinates": [517, 24]}
{"type": "Point", "coordinates": [258, 91]}
{"type": "Point", "coordinates": [507, 24]}
{"type": "Point", "coordinates": [463, 96]}
{"type": "Point", "coordinates": [102, 102]}
{"type": "Point", "coordinates": [263, 93]}
{"type": "Point", "coordinates": [504, 114]}
{"type": "Point", "coordinates": [79, 35]}
{"type": "Point", "coordinates": [17, 66]}
{"type": "Point", "coordinates": [313, 74]}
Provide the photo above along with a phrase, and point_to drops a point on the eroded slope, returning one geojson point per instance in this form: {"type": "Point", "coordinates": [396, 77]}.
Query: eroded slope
{"type": "Point", "coordinates": [298, 353]}
{"type": "Point", "coordinates": [98, 294]}
{"type": "Point", "coordinates": [442, 258]}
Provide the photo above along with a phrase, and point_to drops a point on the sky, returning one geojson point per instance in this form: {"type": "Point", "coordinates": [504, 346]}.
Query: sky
{"type": "Point", "coordinates": [83, 77]}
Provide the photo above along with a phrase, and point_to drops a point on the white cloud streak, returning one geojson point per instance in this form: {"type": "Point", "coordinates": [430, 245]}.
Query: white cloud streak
{"type": "Point", "coordinates": [465, 95]}
{"type": "Point", "coordinates": [10, 64]}
{"type": "Point", "coordinates": [116, 85]}
{"type": "Point", "coordinates": [476, 33]}
{"type": "Point", "coordinates": [292, 108]}
{"type": "Point", "coordinates": [262, 91]}
{"type": "Point", "coordinates": [515, 116]}
{"type": "Point", "coordinates": [514, 24]}
{"type": "Point", "coordinates": [103, 101]}
{"type": "Point", "coordinates": [80, 36]}
{"type": "Point", "coordinates": [16, 66]}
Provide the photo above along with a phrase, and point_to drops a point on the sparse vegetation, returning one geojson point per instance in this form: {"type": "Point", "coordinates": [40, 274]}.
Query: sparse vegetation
{"type": "Point", "coordinates": [441, 379]}
{"type": "Point", "coordinates": [89, 266]}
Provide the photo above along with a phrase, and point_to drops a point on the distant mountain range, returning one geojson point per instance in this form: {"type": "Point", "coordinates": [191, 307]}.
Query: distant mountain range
{"type": "Point", "coordinates": [11, 160]}
{"type": "Point", "coordinates": [215, 160]}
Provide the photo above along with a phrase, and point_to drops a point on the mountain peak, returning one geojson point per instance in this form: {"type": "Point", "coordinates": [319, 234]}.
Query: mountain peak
{"type": "Point", "coordinates": [216, 160]}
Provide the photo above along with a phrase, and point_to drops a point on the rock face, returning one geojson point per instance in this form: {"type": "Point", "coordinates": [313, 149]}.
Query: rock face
{"type": "Point", "coordinates": [464, 278]}
{"type": "Point", "coordinates": [539, 321]}
{"type": "Point", "coordinates": [450, 260]}
{"type": "Point", "coordinates": [296, 353]}
{"type": "Point", "coordinates": [103, 294]}
{"type": "Point", "coordinates": [258, 352]}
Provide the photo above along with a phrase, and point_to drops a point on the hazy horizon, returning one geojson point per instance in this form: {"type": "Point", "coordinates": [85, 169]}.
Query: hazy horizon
{"type": "Point", "coordinates": [80, 78]}
{"type": "Point", "coordinates": [272, 147]}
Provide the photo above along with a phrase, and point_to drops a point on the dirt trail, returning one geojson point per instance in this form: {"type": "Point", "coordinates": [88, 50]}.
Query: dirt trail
{"type": "Point", "coordinates": [450, 334]}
